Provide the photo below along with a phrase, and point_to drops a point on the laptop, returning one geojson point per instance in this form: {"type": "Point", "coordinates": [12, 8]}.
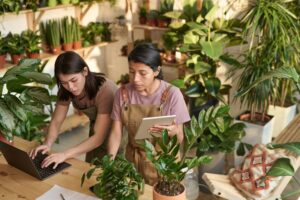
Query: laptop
{"type": "Point", "coordinates": [22, 161]}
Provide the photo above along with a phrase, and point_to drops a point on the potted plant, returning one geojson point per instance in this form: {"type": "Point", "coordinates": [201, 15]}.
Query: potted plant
{"type": "Point", "coordinates": [67, 33]}
{"type": "Point", "coordinates": [205, 44]}
{"type": "Point", "coordinates": [53, 35]}
{"type": "Point", "coordinates": [143, 15]}
{"type": "Point", "coordinates": [76, 34]}
{"type": "Point", "coordinates": [32, 41]}
{"type": "Point", "coordinates": [16, 47]}
{"type": "Point", "coordinates": [170, 42]}
{"type": "Point", "coordinates": [3, 51]}
{"type": "Point", "coordinates": [274, 42]}
{"type": "Point", "coordinates": [170, 168]}
{"type": "Point", "coordinates": [106, 33]}
{"type": "Point", "coordinates": [24, 99]}
{"type": "Point", "coordinates": [116, 179]}
{"type": "Point", "coordinates": [165, 6]}
{"type": "Point", "coordinates": [152, 18]}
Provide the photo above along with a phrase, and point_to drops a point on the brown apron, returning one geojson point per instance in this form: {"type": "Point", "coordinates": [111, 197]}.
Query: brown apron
{"type": "Point", "coordinates": [100, 151]}
{"type": "Point", "coordinates": [132, 115]}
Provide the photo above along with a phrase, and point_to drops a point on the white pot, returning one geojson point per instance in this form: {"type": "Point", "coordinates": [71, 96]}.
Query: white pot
{"type": "Point", "coordinates": [255, 134]}
{"type": "Point", "coordinates": [283, 116]}
{"type": "Point", "coordinates": [216, 166]}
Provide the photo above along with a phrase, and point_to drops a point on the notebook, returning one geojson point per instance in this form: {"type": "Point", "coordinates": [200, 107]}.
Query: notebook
{"type": "Point", "coordinates": [22, 161]}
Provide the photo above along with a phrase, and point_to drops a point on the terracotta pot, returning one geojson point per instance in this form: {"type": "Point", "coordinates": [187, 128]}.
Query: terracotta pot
{"type": "Point", "coordinates": [162, 23]}
{"type": "Point", "coordinates": [33, 55]}
{"type": "Point", "coordinates": [16, 58]}
{"type": "Point", "coordinates": [56, 50]}
{"type": "Point", "coordinates": [158, 196]}
{"type": "Point", "coordinates": [257, 118]}
{"type": "Point", "coordinates": [67, 46]}
{"type": "Point", "coordinates": [143, 20]}
{"type": "Point", "coordinates": [2, 61]}
{"type": "Point", "coordinates": [77, 45]}
{"type": "Point", "coordinates": [151, 22]}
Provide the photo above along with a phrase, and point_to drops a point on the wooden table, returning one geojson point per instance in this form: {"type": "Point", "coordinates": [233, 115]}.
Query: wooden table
{"type": "Point", "coordinates": [15, 184]}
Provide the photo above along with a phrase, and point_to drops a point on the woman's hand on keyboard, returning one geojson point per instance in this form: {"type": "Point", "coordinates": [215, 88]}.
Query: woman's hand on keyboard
{"type": "Point", "coordinates": [55, 158]}
{"type": "Point", "coordinates": [43, 148]}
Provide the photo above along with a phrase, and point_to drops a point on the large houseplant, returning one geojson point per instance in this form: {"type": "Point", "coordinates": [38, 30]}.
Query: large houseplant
{"type": "Point", "coordinates": [116, 179]}
{"type": "Point", "coordinates": [205, 38]}
{"type": "Point", "coordinates": [172, 169]}
{"type": "Point", "coordinates": [273, 35]}
{"type": "Point", "coordinates": [23, 97]}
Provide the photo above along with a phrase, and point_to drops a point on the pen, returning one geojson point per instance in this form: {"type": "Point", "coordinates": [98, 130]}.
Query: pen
{"type": "Point", "coordinates": [62, 196]}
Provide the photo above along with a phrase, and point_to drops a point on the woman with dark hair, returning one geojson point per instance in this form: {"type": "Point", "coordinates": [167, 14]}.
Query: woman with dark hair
{"type": "Point", "coordinates": [147, 95]}
{"type": "Point", "coordinates": [92, 94]}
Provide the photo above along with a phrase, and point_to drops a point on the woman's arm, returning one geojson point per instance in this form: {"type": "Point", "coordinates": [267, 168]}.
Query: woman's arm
{"type": "Point", "coordinates": [57, 119]}
{"type": "Point", "coordinates": [101, 127]}
{"type": "Point", "coordinates": [114, 138]}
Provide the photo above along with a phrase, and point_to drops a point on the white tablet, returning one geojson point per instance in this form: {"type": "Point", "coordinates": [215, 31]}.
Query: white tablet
{"type": "Point", "coordinates": [149, 122]}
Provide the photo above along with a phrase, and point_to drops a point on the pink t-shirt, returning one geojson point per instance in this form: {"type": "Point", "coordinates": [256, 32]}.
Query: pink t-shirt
{"type": "Point", "coordinates": [174, 105]}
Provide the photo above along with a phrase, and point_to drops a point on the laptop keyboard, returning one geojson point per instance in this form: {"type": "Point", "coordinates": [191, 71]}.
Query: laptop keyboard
{"type": "Point", "coordinates": [47, 171]}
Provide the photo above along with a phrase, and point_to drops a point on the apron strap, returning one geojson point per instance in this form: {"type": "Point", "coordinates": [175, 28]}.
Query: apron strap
{"type": "Point", "coordinates": [124, 94]}
{"type": "Point", "coordinates": [164, 97]}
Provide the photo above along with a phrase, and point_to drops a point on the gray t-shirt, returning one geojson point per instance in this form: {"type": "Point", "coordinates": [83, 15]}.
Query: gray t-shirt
{"type": "Point", "coordinates": [174, 105]}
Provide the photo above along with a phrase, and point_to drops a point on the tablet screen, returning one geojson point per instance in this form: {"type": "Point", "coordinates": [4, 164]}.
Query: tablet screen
{"type": "Point", "coordinates": [148, 122]}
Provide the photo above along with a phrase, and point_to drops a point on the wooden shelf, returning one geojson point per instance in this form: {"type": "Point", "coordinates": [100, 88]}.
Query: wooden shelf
{"type": "Point", "coordinates": [74, 121]}
{"type": "Point", "coordinates": [85, 52]}
{"type": "Point", "coordinates": [150, 28]}
{"type": "Point", "coordinates": [34, 18]}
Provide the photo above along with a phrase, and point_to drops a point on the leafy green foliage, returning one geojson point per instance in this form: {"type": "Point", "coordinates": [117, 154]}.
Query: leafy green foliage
{"type": "Point", "coordinates": [117, 179]}
{"type": "Point", "coordinates": [23, 104]}
{"type": "Point", "coordinates": [204, 42]}
{"type": "Point", "coordinates": [281, 167]}
{"type": "Point", "coordinates": [213, 130]}
{"type": "Point", "coordinates": [273, 31]}
{"type": "Point", "coordinates": [218, 132]}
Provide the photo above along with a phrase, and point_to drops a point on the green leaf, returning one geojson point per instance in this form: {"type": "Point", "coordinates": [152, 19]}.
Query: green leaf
{"type": "Point", "coordinates": [15, 106]}
{"type": "Point", "coordinates": [39, 94]}
{"type": "Point", "coordinates": [202, 67]}
{"type": "Point", "coordinates": [82, 179]}
{"type": "Point", "coordinates": [280, 73]}
{"type": "Point", "coordinates": [7, 119]}
{"type": "Point", "coordinates": [24, 66]}
{"type": "Point", "coordinates": [213, 85]}
{"type": "Point", "coordinates": [241, 150]}
{"type": "Point", "coordinates": [190, 38]}
{"type": "Point", "coordinates": [173, 14]}
{"type": "Point", "coordinates": [292, 146]}
{"type": "Point", "coordinates": [176, 24]}
{"type": "Point", "coordinates": [192, 89]}
{"type": "Point", "coordinates": [178, 83]}
{"type": "Point", "coordinates": [165, 137]}
{"type": "Point", "coordinates": [281, 167]}
{"type": "Point", "coordinates": [38, 77]}
{"type": "Point", "coordinates": [212, 49]}
{"type": "Point", "coordinates": [211, 15]}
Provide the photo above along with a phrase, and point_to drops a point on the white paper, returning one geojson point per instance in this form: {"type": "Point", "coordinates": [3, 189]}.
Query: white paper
{"type": "Point", "coordinates": [56, 191]}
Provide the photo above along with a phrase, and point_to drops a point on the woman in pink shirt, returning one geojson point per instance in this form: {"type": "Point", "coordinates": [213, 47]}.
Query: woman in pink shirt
{"type": "Point", "coordinates": [147, 95]}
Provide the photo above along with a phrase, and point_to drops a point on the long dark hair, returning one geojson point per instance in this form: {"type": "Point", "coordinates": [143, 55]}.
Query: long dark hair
{"type": "Point", "coordinates": [70, 62]}
{"type": "Point", "coordinates": [149, 55]}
